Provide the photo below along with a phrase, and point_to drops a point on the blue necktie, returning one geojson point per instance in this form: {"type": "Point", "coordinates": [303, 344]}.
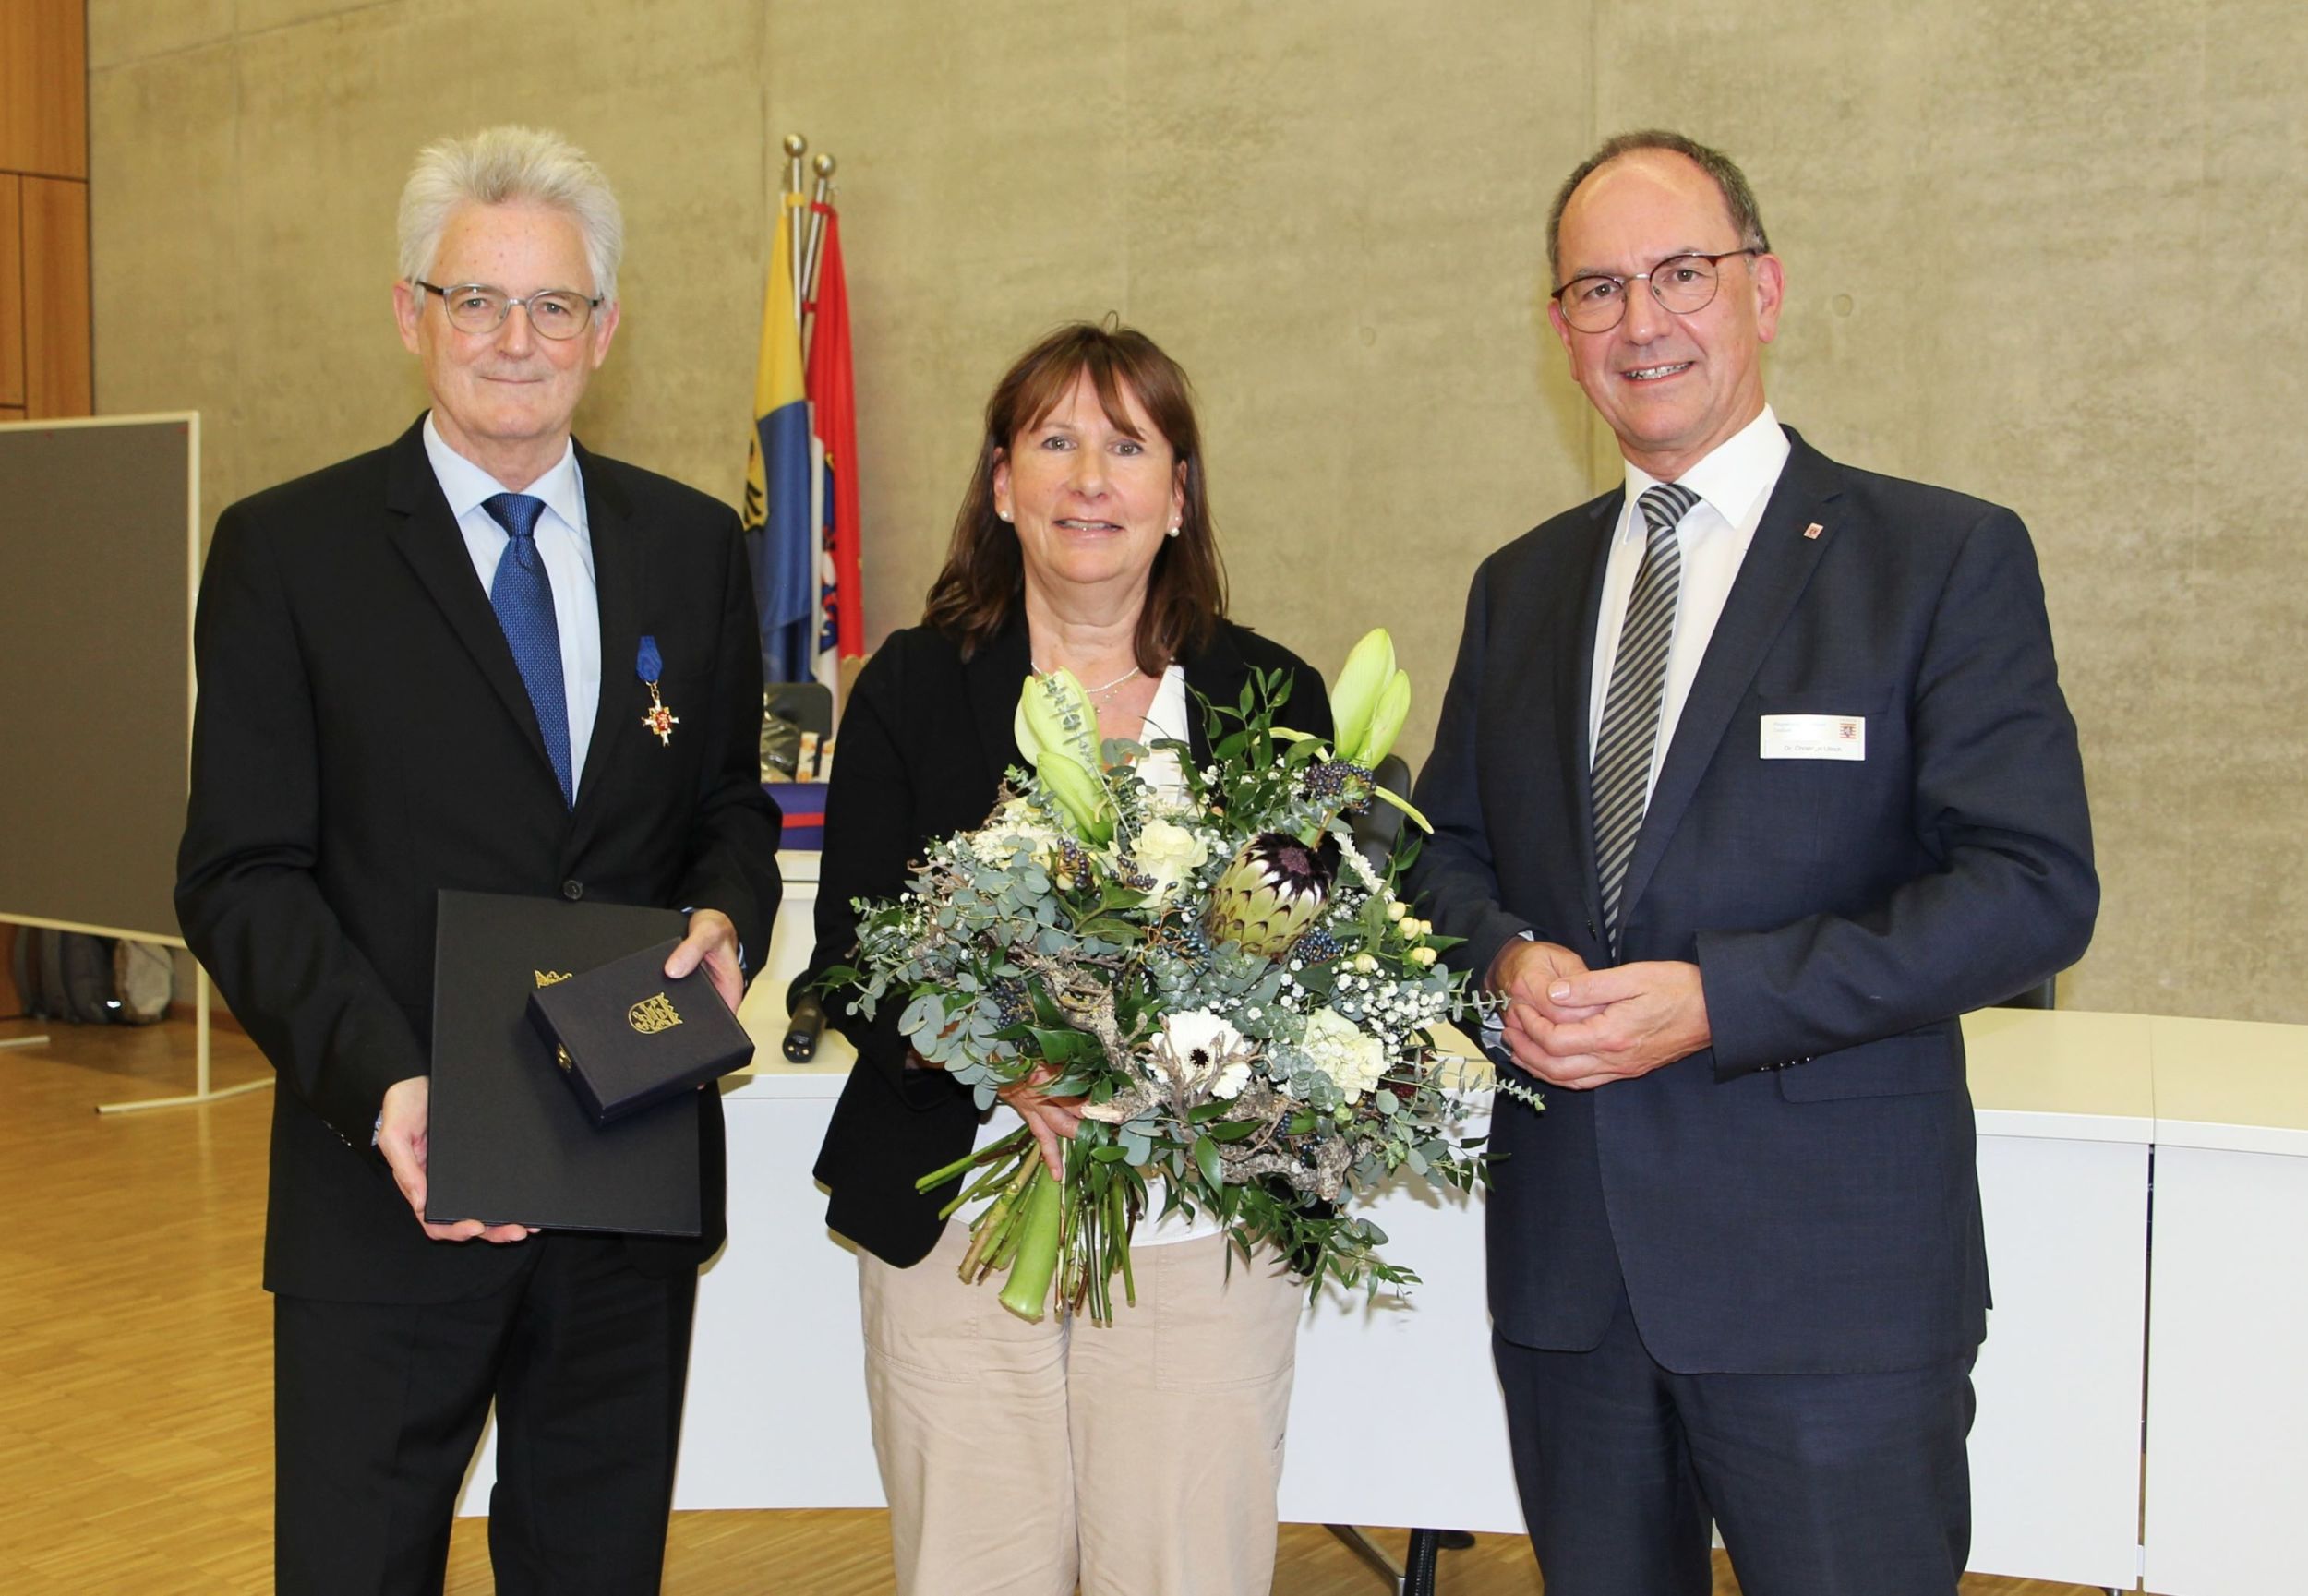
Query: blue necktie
{"type": "Point", "coordinates": [523, 596]}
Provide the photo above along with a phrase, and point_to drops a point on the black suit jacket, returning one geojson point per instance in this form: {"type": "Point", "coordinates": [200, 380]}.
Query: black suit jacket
{"type": "Point", "coordinates": [363, 739]}
{"type": "Point", "coordinates": [1802, 1195]}
{"type": "Point", "coordinates": [924, 740]}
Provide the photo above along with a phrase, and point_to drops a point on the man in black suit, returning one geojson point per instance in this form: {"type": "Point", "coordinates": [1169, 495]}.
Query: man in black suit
{"type": "Point", "coordinates": [1751, 778]}
{"type": "Point", "coordinates": [425, 667]}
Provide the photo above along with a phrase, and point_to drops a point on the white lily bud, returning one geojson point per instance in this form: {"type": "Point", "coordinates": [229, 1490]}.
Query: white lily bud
{"type": "Point", "coordinates": [1364, 677]}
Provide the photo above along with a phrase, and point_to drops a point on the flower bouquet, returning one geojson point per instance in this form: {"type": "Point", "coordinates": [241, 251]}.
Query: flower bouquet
{"type": "Point", "coordinates": [1237, 995]}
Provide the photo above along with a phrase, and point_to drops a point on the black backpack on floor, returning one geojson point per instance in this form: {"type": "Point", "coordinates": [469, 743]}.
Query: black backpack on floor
{"type": "Point", "coordinates": [90, 980]}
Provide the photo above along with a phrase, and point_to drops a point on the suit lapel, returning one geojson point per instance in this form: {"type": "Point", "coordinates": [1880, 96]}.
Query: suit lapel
{"type": "Point", "coordinates": [621, 574]}
{"type": "Point", "coordinates": [1216, 672]}
{"type": "Point", "coordinates": [1778, 566]}
{"type": "Point", "coordinates": [992, 678]}
{"type": "Point", "coordinates": [427, 535]}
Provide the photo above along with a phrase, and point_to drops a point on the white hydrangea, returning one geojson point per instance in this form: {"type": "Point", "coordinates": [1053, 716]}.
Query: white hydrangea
{"type": "Point", "coordinates": [1334, 1044]}
{"type": "Point", "coordinates": [1015, 828]}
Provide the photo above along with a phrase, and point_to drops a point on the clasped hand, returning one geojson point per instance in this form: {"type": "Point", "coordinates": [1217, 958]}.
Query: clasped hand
{"type": "Point", "coordinates": [1578, 1028]}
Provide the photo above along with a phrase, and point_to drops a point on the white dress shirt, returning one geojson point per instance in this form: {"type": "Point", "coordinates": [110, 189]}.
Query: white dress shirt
{"type": "Point", "coordinates": [1732, 482]}
{"type": "Point", "coordinates": [566, 545]}
{"type": "Point", "coordinates": [1165, 721]}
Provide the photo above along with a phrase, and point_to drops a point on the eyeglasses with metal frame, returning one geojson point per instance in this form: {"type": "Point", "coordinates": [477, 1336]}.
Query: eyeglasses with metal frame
{"type": "Point", "coordinates": [1596, 301]}
{"type": "Point", "coordinates": [477, 308]}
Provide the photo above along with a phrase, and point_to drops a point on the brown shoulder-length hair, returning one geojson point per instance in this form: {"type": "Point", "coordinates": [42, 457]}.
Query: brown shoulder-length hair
{"type": "Point", "coordinates": [984, 581]}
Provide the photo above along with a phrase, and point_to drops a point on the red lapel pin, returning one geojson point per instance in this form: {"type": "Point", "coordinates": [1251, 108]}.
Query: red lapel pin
{"type": "Point", "coordinates": [1813, 530]}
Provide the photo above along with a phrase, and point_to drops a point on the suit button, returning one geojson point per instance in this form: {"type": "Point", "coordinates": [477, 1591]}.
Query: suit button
{"type": "Point", "coordinates": [572, 891]}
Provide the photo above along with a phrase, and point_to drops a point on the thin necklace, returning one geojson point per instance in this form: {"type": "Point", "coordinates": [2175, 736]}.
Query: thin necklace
{"type": "Point", "coordinates": [1106, 687]}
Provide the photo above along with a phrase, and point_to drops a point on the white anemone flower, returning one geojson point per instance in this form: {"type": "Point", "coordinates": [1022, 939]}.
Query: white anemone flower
{"type": "Point", "coordinates": [1201, 1051]}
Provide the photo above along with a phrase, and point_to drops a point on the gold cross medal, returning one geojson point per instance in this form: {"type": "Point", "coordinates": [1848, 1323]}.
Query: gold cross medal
{"type": "Point", "coordinates": [657, 718]}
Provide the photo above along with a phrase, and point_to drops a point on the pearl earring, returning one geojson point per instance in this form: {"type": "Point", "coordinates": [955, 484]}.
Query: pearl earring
{"type": "Point", "coordinates": [1174, 530]}
{"type": "Point", "coordinates": [1003, 513]}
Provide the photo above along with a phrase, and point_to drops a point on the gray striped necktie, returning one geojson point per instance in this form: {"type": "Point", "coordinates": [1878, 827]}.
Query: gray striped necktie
{"type": "Point", "coordinates": [1631, 713]}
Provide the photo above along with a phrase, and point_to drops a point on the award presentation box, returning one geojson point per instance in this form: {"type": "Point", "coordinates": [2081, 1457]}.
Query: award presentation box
{"type": "Point", "coordinates": [626, 1037]}
{"type": "Point", "coordinates": [509, 1143]}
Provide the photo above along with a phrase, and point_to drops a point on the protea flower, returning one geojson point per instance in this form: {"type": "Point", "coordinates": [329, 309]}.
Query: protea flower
{"type": "Point", "coordinates": [1272, 892]}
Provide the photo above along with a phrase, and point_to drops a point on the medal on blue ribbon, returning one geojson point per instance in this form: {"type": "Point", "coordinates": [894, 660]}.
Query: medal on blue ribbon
{"type": "Point", "coordinates": [658, 717]}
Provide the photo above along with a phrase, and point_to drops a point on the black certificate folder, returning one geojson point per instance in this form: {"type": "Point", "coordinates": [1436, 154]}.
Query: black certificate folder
{"type": "Point", "coordinates": [508, 1144]}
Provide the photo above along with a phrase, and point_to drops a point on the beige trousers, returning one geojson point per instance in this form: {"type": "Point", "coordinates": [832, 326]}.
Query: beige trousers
{"type": "Point", "coordinates": [1140, 1459]}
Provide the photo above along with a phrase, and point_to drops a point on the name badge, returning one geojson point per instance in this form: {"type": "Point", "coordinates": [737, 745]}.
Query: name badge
{"type": "Point", "coordinates": [1815, 737]}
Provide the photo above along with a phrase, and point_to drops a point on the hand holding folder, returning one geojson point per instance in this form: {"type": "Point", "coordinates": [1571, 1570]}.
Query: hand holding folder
{"type": "Point", "coordinates": [507, 1142]}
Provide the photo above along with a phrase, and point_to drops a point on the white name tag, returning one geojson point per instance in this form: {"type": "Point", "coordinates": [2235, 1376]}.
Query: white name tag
{"type": "Point", "coordinates": [1815, 737]}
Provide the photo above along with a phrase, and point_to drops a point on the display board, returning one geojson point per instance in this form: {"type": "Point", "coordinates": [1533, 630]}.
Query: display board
{"type": "Point", "coordinates": [100, 554]}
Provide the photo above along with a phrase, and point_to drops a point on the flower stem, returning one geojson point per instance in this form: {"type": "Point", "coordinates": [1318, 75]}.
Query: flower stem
{"type": "Point", "coordinates": [994, 1176]}
{"type": "Point", "coordinates": [1036, 1256]}
{"type": "Point", "coordinates": [991, 1153]}
{"type": "Point", "coordinates": [1120, 1231]}
{"type": "Point", "coordinates": [994, 1226]}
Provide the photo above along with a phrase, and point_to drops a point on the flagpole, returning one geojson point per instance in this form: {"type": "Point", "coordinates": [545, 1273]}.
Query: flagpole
{"type": "Point", "coordinates": [795, 147]}
{"type": "Point", "coordinates": [813, 256]}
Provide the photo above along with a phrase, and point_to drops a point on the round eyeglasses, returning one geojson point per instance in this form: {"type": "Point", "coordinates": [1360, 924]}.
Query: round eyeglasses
{"type": "Point", "coordinates": [476, 308]}
{"type": "Point", "coordinates": [1684, 283]}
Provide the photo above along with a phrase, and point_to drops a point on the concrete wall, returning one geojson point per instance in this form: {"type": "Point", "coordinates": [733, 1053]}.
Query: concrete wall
{"type": "Point", "coordinates": [2044, 252]}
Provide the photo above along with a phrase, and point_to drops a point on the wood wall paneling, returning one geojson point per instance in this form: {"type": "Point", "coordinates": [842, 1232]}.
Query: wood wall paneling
{"type": "Point", "coordinates": [43, 86]}
{"type": "Point", "coordinates": [58, 380]}
{"type": "Point", "coordinates": [11, 298]}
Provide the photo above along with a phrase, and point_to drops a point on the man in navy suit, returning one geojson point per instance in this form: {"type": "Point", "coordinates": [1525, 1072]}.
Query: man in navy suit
{"type": "Point", "coordinates": [433, 666]}
{"type": "Point", "coordinates": [1751, 778]}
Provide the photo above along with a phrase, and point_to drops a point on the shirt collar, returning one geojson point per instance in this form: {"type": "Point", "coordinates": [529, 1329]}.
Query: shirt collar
{"type": "Point", "coordinates": [1734, 475]}
{"type": "Point", "coordinates": [467, 485]}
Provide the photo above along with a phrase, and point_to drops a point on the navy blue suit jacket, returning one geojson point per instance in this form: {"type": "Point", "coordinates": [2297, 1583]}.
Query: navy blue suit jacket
{"type": "Point", "coordinates": [1801, 1196]}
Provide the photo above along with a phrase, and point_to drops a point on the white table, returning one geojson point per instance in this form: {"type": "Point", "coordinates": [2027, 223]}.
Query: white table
{"type": "Point", "coordinates": [2228, 1314]}
{"type": "Point", "coordinates": [2065, 1117]}
{"type": "Point", "coordinates": [2071, 1107]}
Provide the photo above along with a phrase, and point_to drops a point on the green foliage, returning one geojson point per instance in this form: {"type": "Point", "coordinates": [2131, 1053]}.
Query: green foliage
{"type": "Point", "coordinates": [1079, 932]}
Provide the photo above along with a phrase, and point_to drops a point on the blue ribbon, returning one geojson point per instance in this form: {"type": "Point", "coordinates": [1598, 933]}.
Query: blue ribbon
{"type": "Point", "coordinates": [648, 666]}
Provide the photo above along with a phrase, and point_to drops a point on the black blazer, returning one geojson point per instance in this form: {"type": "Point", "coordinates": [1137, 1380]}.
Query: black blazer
{"type": "Point", "coordinates": [924, 740]}
{"type": "Point", "coordinates": [363, 738]}
{"type": "Point", "coordinates": [1802, 1197]}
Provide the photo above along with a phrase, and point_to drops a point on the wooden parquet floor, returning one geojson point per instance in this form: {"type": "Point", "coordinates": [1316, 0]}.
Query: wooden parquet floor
{"type": "Point", "coordinates": [135, 1371]}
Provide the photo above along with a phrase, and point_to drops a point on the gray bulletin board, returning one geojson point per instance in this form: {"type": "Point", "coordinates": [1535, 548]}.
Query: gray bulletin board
{"type": "Point", "coordinates": [100, 555]}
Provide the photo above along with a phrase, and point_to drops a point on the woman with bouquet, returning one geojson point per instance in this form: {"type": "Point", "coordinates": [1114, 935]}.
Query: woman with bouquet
{"type": "Point", "coordinates": [1140, 1456]}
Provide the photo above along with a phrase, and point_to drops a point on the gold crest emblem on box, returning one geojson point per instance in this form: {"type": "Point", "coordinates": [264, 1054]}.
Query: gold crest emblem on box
{"type": "Point", "coordinates": [653, 1014]}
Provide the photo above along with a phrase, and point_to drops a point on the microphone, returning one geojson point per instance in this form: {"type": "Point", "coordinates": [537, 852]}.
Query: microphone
{"type": "Point", "coordinates": [803, 1027]}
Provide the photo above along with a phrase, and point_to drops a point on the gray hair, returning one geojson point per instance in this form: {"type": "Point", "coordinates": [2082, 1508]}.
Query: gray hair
{"type": "Point", "coordinates": [1738, 199]}
{"type": "Point", "coordinates": [510, 166]}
